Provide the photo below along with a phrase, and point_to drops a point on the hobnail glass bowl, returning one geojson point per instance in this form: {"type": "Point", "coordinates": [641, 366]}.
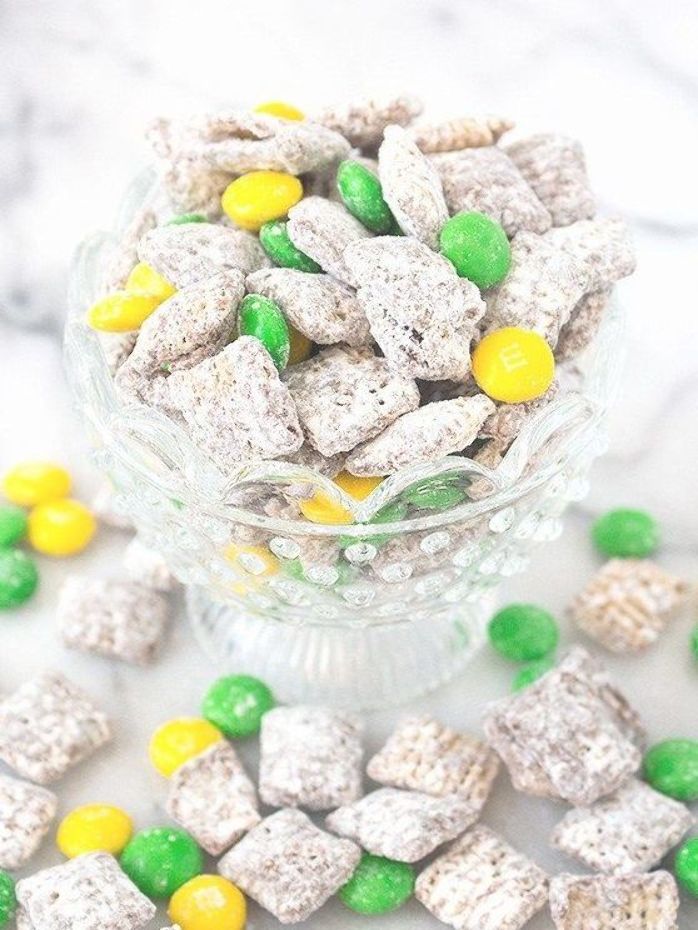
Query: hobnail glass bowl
{"type": "Point", "coordinates": [360, 615]}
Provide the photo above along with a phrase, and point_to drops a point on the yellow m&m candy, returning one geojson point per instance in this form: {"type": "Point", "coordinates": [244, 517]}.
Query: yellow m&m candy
{"type": "Point", "coordinates": [280, 109]}
{"type": "Point", "coordinates": [179, 740]}
{"type": "Point", "coordinates": [94, 828]}
{"type": "Point", "coordinates": [60, 527]}
{"type": "Point", "coordinates": [300, 346]}
{"type": "Point", "coordinates": [255, 198]}
{"type": "Point", "coordinates": [513, 365]}
{"type": "Point", "coordinates": [34, 483]}
{"type": "Point", "coordinates": [122, 311]}
{"type": "Point", "coordinates": [255, 560]}
{"type": "Point", "coordinates": [145, 280]}
{"type": "Point", "coordinates": [208, 902]}
{"type": "Point", "coordinates": [320, 508]}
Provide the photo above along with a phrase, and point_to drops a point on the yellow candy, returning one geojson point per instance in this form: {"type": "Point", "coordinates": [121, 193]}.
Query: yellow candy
{"type": "Point", "coordinates": [513, 365]}
{"type": "Point", "coordinates": [145, 280]}
{"type": "Point", "coordinates": [280, 109]}
{"type": "Point", "coordinates": [179, 740]}
{"type": "Point", "coordinates": [255, 198]}
{"type": "Point", "coordinates": [122, 312]}
{"type": "Point", "coordinates": [301, 346]}
{"type": "Point", "coordinates": [255, 560]}
{"type": "Point", "coordinates": [61, 527]}
{"type": "Point", "coordinates": [35, 483]}
{"type": "Point", "coordinates": [208, 902]}
{"type": "Point", "coordinates": [94, 828]}
{"type": "Point", "coordinates": [320, 508]}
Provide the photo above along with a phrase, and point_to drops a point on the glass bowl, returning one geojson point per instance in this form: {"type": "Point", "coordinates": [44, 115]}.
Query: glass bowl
{"type": "Point", "coordinates": [358, 615]}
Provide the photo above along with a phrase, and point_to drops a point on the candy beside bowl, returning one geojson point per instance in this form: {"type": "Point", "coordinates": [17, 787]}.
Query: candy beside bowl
{"type": "Point", "coordinates": [358, 613]}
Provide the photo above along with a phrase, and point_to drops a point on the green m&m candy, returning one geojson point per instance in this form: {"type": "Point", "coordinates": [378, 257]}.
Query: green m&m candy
{"type": "Point", "coordinates": [625, 534]}
{"type": "Point", "coordinates": [261, 317]}
{"type": "Point", "coordinates": [8, 900]}
{"type": "Point", "coordinates": [378, 885]}
{"type": "Point", "coordinates": [236, 704]}
{"type": "Point", "coordinates": [435, 494]}
{"type": "Point", "coordinates": [477, 247]}
{"type": "Point", "coordinates": [184, 218]}
{"type": "Point", "coordinates": [362, 194]}
{"type": "Point", "coordinates": [18, 578]}
{"type": "Point", "coordinates": [532, 672]}
{"type": "Point", "coordinates": [276, 242]}
{"type": "Point", "coordinates": [13, 525]}
{"type": "Point", "coordinates": [160, 860]}
{"type": "Point", "coordinates": [672, 768]}
{"type": "Point", "coordinates": [523, 632]}
{"type": "Point", "coordinates": [686, 865]}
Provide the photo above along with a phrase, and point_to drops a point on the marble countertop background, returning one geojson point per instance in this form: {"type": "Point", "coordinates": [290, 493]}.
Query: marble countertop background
{"type": "Point", "coordinates": [78, 82]}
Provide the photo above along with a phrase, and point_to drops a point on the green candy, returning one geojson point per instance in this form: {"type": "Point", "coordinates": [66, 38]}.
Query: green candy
{"type": "Point", "coordinates": [390, 513]}
{"type": "Point", "coordinates": [13, 525]}
{"type": "Point", "coordinates": [160, 860]}
{"type": "Point", "coordinates": [523, 632]}
{"type": "Point", "coordinates": [276, 242]}
{"type": "Point", "coordinates": [694, 641]}
{"type": "Point", "coordinates": [532, 672]}
{"type": "Point", "coordinates": [236, 704]}
{"type": "Point", "coordinates": [378, 885]}
{"type": "Point", "coordinates": [362, 194]}
{"type": "Point", "coordinates": [672, 768]}
{"type": "Point", "coordinates": [686, 865]}
{"type": "Point", "coordinates": [477, 247]}
{"type": "Point", "coordinates": [625, 534]}
{"type": "Point", "coordinates": [8, 900]}
{"type": "Point", "coordinates": [434, 495]}
{"type": "Point", "coordinates": [261, 317]}
{"type": "Point", "coordinates": [187, 218]}
{"type": "Point", "coordinates": [18, 578]}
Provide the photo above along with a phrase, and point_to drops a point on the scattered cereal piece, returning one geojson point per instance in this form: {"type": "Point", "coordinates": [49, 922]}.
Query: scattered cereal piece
{"type": "Point", "coordinates": [189, 327]}
{"type": "Point", "coordinates": [289, 866]}
{"type": "Point", "coordinates": [323, 230]}
{"type": "Point", "coordinates": [614, 902]}
{"type": "Point", "coordinates": [631, 830]}
{"type": "Point", "coordinates": [411, 187]}
{"type": "Point", "coordinates": [424, 755]}
{"type": "Point", "coordinates": [236, 705]}
{"type": "Point", "coordinates": [569, 735]}
{"type": "Point", "coordinates": [310, 757]}
{"type": "Point", "coordinates": [212, 797]}
{"type": "Point", "coordinates": [603, 248]}
{"type": "Point", "coordinates": [482, 883]}
{"type": "Point", "coordinates": [555, 168]}
{"type": "Point", "coordinates": [464, 132]}
{"type": "Point", "coordinates": [424, 435]}
{"type": "Point", "coordinates": [259, 197]}
{"type": "Point", "coordinates": [541, 290]}
{"type": "Point", "coordinates": [19, 578]}
{"type": "Point", "coordinates": [87, 893]}
{"type": "Point", "coordinates": [508, 420]}
{"type": "Point", "coordinates": [124, 253]}
{"type": "Point", "coordinates": [32, 483]}
{"type": "Point", "coordinates": [177, 741]}
{"type": "Point", "coordinates": [116, 348]}
{"type": "Point", "coordinates": [94, 828]}
{"type": "Point", "coordinates": [522, 632]}
{"type": "Point", "coordinates": [402, 825]}
{"type": "Point", "coordinates": [628, 604]}
{"type": "Point", "coordinates": [672, 768]}
{"type": "Point", "coordinates": [422, 315]}
{"type": "Point", "coordinates": [160, 860]}
{"type": "Point", "coordinates": [191, 253]}
{"type": "Point", "coordinates": [26, 814]}
{"type": "Point", "coordinates": [307, 457]}
{"type": "Point", "coordinates": [583, 325]}
{"type": "Point", "coordinates": [378, 886]}
{"type": "Point", "coordinates": [117, 619]}
{"type": "Point", "coordinates": [345, 396]}
{"type": "Point", "coordinates": [235, 406]}
{"type": "Point", "coordinates": [323, 309]}
{"type": "Point", "coordinates": [487, 181]}
{"type": "Point", "coordinates": [364, 122]}
{"type": "Point", "coordinates": [209, 902]}
{"type": "Point", "coordinates": [146, 567]}
{"type": "Point", "coordinates": [47, 726]}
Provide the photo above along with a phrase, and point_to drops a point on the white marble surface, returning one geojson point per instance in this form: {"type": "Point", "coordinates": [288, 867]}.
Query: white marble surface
{"type": "Point", "coordinates": [79, 80]}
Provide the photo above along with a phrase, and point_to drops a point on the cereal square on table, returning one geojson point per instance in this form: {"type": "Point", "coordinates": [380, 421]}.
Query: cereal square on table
{"type": "Point", "coordinates": [424, 755]}
{"type": "Point", "coordinates": [309, 757]}
{"type": "Point", "coordinates": [628, 604]}
{"type": "Point", "coordinates": [47, 726]}
{"type": "Point", "coordinates": [614, 902]}
{"type": "Point", "coordinates": [629, 831]}
{"type": "Point", "coordinates": [569, 736]}
{"type": "Point", "coordinates": [212, 797]}
{"type": "Point", "coordinates": [117, 619]}
{"type": "Point", "coordinates": [87, 893]}
{"type": "Point", "coordinates": [289, 866]}
{"type": "Point", "coordinates": [26, 813]}
{"type": "Point", "coordinates": [482, 883]}
{"type": "Point", "coordinates": [402, 825]}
